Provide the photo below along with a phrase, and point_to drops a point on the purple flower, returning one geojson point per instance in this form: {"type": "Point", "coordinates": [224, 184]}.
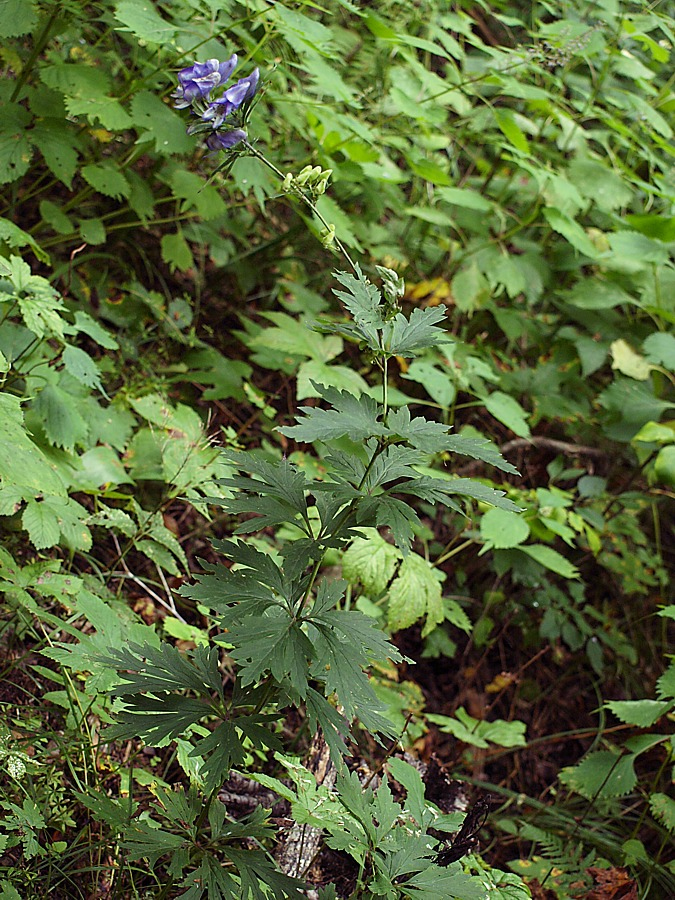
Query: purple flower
{"type": "Point", "coordinates": [199, 80]}
{"type": "Point", "coordinates": [232, 99]}
{"type": "Point", "coordinates": [223, 140]}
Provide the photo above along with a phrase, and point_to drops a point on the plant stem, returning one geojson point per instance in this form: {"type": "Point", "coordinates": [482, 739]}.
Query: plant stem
{"type": "Point", "coordinates": [305, 199]}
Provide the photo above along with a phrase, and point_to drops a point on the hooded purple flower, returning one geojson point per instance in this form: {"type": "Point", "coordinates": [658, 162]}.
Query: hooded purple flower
{"type": "Point", "coordinates": [232, 99]}
{"type": "Point", "coordinates": [223, 140]}
{"type": "Point", "coordinates": [199, 80]}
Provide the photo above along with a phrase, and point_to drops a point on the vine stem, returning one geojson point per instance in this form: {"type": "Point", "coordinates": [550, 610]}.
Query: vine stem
{"type": "Point", "coordinates": [305, 199]}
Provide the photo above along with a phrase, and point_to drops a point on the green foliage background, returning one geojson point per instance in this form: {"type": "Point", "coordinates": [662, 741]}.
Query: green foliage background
{"type": "Point", "coordinates": [514, 164]}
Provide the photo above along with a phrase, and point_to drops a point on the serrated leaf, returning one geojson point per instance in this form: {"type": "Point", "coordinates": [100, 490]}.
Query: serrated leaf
{"type": "Point", "coordinates": [92, 231]}
{"type": "Point", "coordinates": [274, 645]}
{"type": "Point", "coordinates": [415, 593]}
{"type": "Point", "coordinates": [93, 329]}
{"type": "Point", "coordinates": [81, 366]}
{"type": "Point", "coordinates": [601, 775]}
{"type": "Point", "coordinates": [41, 523]}
{"type": "Point", "coordinates": [502, 530]}
{"type": "Point", "coordinates": [22, 464]}
{"type": "Point", "coordinates": [479, 733]}
{"type": "Point", "coordinates": [314, 372]}
{"type": "Point", "coordinates": [15, 237]}
{"type": "Point", "coordinates": [665, 686]}
{"type": "Point", "coordinates": [404, 337]}
{"type": "Point", "coordinates": [61, 418]}
{"type": "Point", "coordinates": [362, 299]}
{"type": "Point", "coordinates": [59, 147]}
{"type": "Point", "coordinates": [659, 348]}
{"type": "Point", "coordinates": [141, 18]}
{"type": "Point", "coordinates": [356, 417]}
{"type": "Point", "coordinates": [176, 251]}
{"type": "Point", "coordinates": [106, 179]}
{"type": "Point", "coordinates": [156, 121]}
{"type": "Point", "coordinates": [570, 229]}
{"type": "Point", "coordinates": [17, 17]}
{"type": "Point", "coordinates": [663, 809]}
{"type": "Point", "coordinates": [396, 515]}
{"type": "Point", "coordinates": [506, 120]}
{"type": "Point", "coordinates": [372, 561]}
{"type": "Point", "coordinates": [637, 249]}
{"type": "Point", "coordinates": [642, 713]}
{"type": "Point", "coordinates": [16, 150]}
{"type": "Point", "coordinates": [478, 448]}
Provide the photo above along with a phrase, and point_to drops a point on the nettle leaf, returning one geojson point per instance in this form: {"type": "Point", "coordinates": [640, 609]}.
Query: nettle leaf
{"type": "Point", "coordinates": [16, 237]}
{"type": "Point", "coordinates": [86, 90]}
{"type": "Point", "coordinates": [572, 231]}
{"type": "Point", "coordinates": [41, 523]}
{"type": "Point", "coordinates": [60, 415]}
{"type": "Point", "coordinates": [666, 684]}
{"type": "Point", "coordinates": [176, 252]}
{"type": "Point", "coordinates": [502, 530]}
{"type": "Point", "coordinates": [16, 150]}
{"type": "Point", "coordinates": [372, 561]}
{"type": "Point", "coordinates": [17, 17]}
{"type": "Point", "coordinates": [601, 775]}
{"type": "Point", "coordinates": [415, 593]}
{"type": "Point", "coordinates": [107, 179]}
{"type": "Point", "coordinates": [404, 337]}
{"type": "Point", "coordinates": [642, 713]}
{"type": "Point", "coordinates": [81, 366]}
{"type": "Point", "coordinates": [663, 809]}
{"type": "Point", "coordinates": [22, 464]}
{"type": "Point", "coordinates": [156, 121]}
{"type": "Point", "coordinates": [142, 20]}
{"type": "Point", "coordinates": [59, 146]}
{"type": "Point", "coordinates": [356, 417]}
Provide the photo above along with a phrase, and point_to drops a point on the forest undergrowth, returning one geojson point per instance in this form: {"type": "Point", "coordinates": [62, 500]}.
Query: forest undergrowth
{"type": "Point", "coordinates": [337, 450]}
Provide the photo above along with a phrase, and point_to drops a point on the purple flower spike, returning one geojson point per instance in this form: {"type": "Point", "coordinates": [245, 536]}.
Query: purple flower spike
{"type": "Point", "coordinates": [225, 139]}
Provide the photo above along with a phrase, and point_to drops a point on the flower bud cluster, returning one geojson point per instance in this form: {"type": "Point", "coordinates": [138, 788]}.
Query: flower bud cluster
{"type": "Point", "coordinates": [313, 179]}
{"type": "Point", "coordinates": [222, 111]}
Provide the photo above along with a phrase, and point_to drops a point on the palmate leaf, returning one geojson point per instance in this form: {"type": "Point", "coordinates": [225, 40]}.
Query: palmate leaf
{"type": "Point", "coordinates": [356, 417]}
{"type": "Point", "coordinates": [345, 643]}
{"type": "Point", "coordinates": [260, 566]}
{"type": "Point", "coordinates": [431, 437]}
{"type": "Point", "coordinates": [232, 594]}
{"type": "Point", "coordinates": [275, 646]}
{"type": "Point", "coordinates": [479, 448]}
{"type": "Point", "coordinates": [404, 337]}
{"type": "Point", "coordinates": [363, 300]}
{"type": "Point", "coordinates": [398, 517]}
{"type": "Point", "coordinates": [256, 870]}
{"type": "Point", "coordinates": [145, 841]}
{"type": "Point", "coordinates": [164, 669]}
{"type": "Point", "coordinates": [335, 728]}
{"type": "Point", "coordinates": [279, 479]}
{"type": "Point", "coordinates": [153, 719]}
{"type": "Point", "coordinates": [224, 747]}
